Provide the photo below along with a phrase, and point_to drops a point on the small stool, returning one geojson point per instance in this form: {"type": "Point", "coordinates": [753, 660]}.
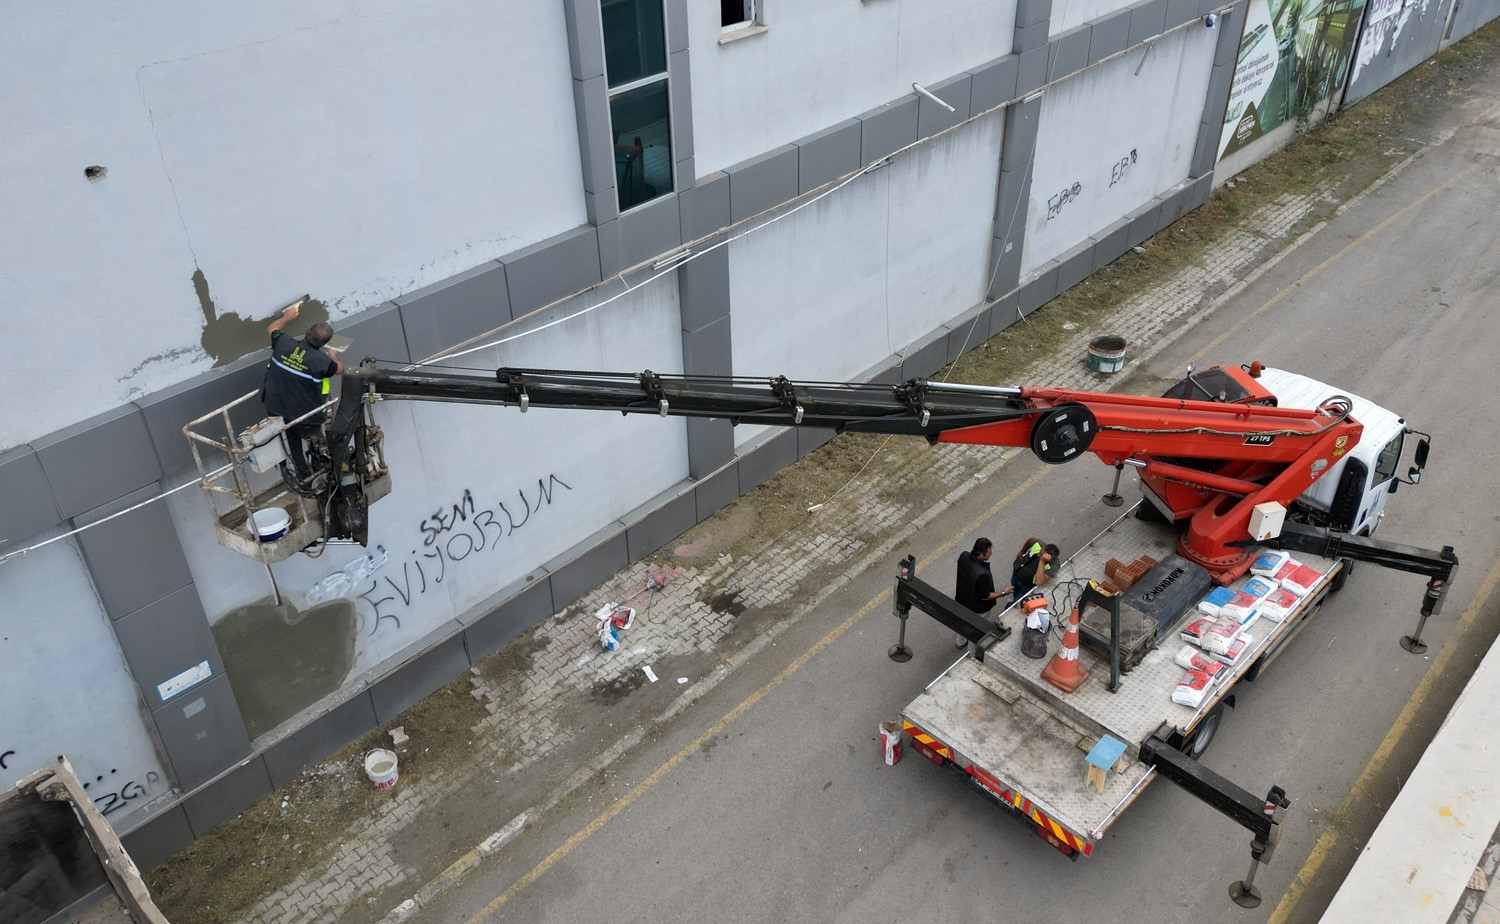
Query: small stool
{"type": "Point", "coordinates": [1101, 758]}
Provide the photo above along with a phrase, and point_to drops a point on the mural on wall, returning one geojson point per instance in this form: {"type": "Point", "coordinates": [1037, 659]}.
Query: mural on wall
{"type": "Point", "coordinates": [1293, 55]}
{"type": "Point", "coordinates": [1397, 36]}
{"type": "Point", "coordinates": [481, 499]}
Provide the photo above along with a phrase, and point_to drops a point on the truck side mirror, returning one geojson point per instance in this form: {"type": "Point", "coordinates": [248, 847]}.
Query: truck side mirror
{"type": "Point", "coordinates": [1412, 477]}
{"type": "Point", "coordinates": [1421, 455]}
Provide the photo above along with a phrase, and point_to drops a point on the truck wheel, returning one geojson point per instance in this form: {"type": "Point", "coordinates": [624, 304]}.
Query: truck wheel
{"type": "Point", "coordinates": [1340, 579]}
{"type": "Point", "coordinates": [1204, 734]}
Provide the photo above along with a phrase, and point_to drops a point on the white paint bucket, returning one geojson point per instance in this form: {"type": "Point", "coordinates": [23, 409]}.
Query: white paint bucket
{"type": "Point", "coordinates": [271, 523]}
{"type": "Point", "coordinates": [380, 767]}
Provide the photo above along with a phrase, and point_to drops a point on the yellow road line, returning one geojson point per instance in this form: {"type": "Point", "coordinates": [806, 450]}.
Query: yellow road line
{"type": "Point", "coordinates": [1358, 794]}
{"type": "Point", "coordinates": [1329, 262]}
{"type": "Point", "coordinates": [672, 763]}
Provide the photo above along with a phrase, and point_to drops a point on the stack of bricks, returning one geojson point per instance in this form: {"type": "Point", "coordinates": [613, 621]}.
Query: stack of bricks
{"type": "Point", "coordinates": [1124, 576]}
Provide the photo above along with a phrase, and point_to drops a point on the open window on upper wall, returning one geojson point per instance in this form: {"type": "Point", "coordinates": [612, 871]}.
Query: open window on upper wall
{"type": "Point", "coordinates": [737, 14]}
{"type": "Point", "coordinates": [640, 109]}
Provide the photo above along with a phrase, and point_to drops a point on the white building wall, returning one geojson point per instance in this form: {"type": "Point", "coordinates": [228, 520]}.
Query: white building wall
{"type": "Point", "coordinates": [66, 687]}
{"type": "Point", "coordinates": [819, 63]}
{"type": "Point", "coordinates": [828, 292]}
{"type": "Point", "coordinates": [1113, 138]}
{"type": "Point", "coordinates": [526, 487]}
{"type": "Point", "coordinates": [355, 150]}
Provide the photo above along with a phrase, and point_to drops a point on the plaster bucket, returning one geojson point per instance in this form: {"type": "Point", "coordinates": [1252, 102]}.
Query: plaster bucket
{"type": "Point", "coordinates": [271, 523]}
{"type": "Point", "coordinates": [380, 767]}
{"type": "Point", "coordinates": [1107, 354]}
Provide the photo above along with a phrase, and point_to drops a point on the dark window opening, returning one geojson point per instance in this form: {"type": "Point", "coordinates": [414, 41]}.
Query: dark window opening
{"type": "Point", "coordinates": [643, 143]}
{"type": "Point", "coordinates": [635, 44]}
{"type": "Point", "coordinates": [736, 12]}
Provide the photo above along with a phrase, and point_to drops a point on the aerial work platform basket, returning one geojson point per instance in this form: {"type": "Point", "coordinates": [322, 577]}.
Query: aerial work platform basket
{"type": "Point", "coordinates": [256, 511]}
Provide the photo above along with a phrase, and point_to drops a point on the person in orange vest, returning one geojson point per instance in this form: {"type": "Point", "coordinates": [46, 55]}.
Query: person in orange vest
{"type": "Point", "coordinates": [296, 383]}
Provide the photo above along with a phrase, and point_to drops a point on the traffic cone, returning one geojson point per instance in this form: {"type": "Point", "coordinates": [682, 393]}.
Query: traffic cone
{"type": "Point", "coordinates": [1065, 671]}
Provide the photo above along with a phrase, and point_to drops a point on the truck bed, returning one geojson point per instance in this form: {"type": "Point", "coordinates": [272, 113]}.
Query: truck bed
{"type": "Point", "coordinates": [1002, 721]}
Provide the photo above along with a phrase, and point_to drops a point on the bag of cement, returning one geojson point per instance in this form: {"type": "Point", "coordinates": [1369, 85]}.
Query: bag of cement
{"type": "Point", "coordinates": [1249, 619]}
{"type": "Point", "coordinates": [890, 742]}
{"type": "Point", "coordinates": [1190, 658]}
{"type": "Point", "coordinates": [1239, 607]}
{"type": "Point", "coordinates": [1278, 604]}
{"type": "Point", "coordinates": [1268, 563]}
{"type": "Point", "coordinates": [1302, 581]}
{"type": "Point", "coordinates": [1287, 570]}
{"type": "Point", "coordinates": [1259, 586]}
{"type": "Point", "coordinates": [1211, 604]}
{"type": "Point", "coordinates": [1191, 689]}
{"type": "Point", "coordinates": [1218, 637]}
{"type": "Point", "coordinates": [609, 636]}
{"type": "Point", "coordinates": [1193, 631]}
{"type": "Point", "coordinates": [1231, 655]}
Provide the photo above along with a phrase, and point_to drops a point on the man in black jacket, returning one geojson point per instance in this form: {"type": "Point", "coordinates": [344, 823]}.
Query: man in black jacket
{"type": "Point", "coordinates": [975, 585]}
{"type": "Point", "coordinates": [296, 383]}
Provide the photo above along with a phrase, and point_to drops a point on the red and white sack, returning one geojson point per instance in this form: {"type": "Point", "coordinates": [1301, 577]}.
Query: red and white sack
{"type": "Point", "coordinates": [1191, 689]}
{"type": "Point", "coordinates": [1231, 655]}
{"type": "Point", "coordinates": [1190, 658]}
{"type": "Point", "coordinates": [1286, 570]}
{"type": "Point", "coordinates": [1302, 581]}
{"type": "Point", "coordinates": [1193, 631]}
{"type": "Point", "coordinates": [1269, 562]}
{"type": "Point", "coordinates": [1218, 636]}
{"type": "Point", "coordinates": [1279, 604]}
{"type": "Point", "coordinates": [1239, 607]}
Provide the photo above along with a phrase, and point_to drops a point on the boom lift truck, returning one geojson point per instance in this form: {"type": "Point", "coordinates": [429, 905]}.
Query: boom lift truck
{"type": "Point", "coordinates": [1231, 461]}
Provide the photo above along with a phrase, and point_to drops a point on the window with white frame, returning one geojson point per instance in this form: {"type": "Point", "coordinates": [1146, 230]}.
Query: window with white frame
{"type": "Point", "coordinates": [640, 116]}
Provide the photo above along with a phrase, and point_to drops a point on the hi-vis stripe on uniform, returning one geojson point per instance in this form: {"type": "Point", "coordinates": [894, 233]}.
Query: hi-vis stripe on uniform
{"type": "Point", "coordinates": [919, 735]}
{"type": "Point", "coordinates": [1030, 811]}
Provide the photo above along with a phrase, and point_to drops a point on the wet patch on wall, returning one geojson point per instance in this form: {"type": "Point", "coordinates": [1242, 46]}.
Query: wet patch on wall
{"type": "Point", "coordinates": [229, 337]}
{"type": "Point", "coordinates": [281, 660]}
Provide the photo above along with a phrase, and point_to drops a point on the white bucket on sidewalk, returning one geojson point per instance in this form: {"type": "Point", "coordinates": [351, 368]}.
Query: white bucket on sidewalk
{"type": "Point", "coordinates": [380, 767]}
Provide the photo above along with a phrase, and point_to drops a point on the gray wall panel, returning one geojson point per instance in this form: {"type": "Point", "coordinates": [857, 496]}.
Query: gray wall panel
{"type": "Point", "coordinates": [157, 838]}
{"type": "Point", "coordinates": [926, 358]}
{"type": "Point", "coordinates": [827, 155]}
{"type": "Point", "coordinates": [585, 38]}
{"type": "Point", "coordinates": [810, 438]}
{"type": "Point", "coordinates": [680, 85]}
{"type": "Point", "coordinates": [889, 128]}
{"type": "Point", "coordinates": [26, 504]}
{"type": "Point", "coordinates": [994, 84]}
{"type": "Point", "coordinates": [376, 333]}
{"type": "Point", "coordinates": [1111, 243]}
{"type": "Point", "coordinates": [677, 25]}
{"type": "Point", "coordinates": [418, 678]}
{"type": "Point", "coordinates": [1019, 143]}
{"type": "Point", "coordinates": [1074, 266]}
{"type": "Point", "coordinates": [1005, 312]}
{"type": "Point", "coordinates": [1109, 36]}
{"type": "Point", "coordinates": [1205, 150]}
{"type": "Point", "coordinates": [202, 732]}
{"type": "Point", "coordinates": [707, 351]}
{"type": "Point", "coordinates": [328, 733]}
{"type": "Point", "coordinates": [1005, 265]}
{"type": "Point", "coordinates": [660, 526]}
{"type": "Point", "coordinates": [965, 335]}
{"type": "Point", "coordinates": [606, 553]}
{"type": "Point", "coordinates": [704, 209]}
{"type": "Point", "coordinates": [134, 559]}
{"type": "Point", "coordinates": [1228, 46]}
{"type": "Point", "coordinates": [1041, 288]}
{"type": "Point", "coordinates": [1031, 71]}
{"type": "Point", "coordinates": [163, 639]}
{"type": "Point", "coordinates": [1181, 11]}
{"type": "Point", "coordinates": [766, 460]}
{"type": "Point", "coordinates": [509, 620]}
{"type": "Point", "coordinates": [227, 796]}
{"type": "Point", "coordinates": [1070, 52]}
{"type": "Point", "coordinates": [932, 118]}
{"type": "Point", "coordinates": [637, 236]}
{"type": "Point", "coordinates": [98, 460]}
{"type": "Point", "coordinates": [703, 289]}
{"type": "Point", "coordinates": [596, 147]}
{"type": "Point", "coordinates": [1032, 11]}
{"type": "Point", "coordinates": [440, 316]}
{"type": "Point", "coordinates": [1013, 193]}
{"type": "Point", "coordinates": [1147, 19]}
{"type": "Point", "coordinates": [1219, 81]}
{"type": "Point", "coordinates": [167, 411]}
{"type": "Point", "coordinates": [762, 182]}
{"type": "Point", "coordinates": [1032, 37]}
{"type": "Point", "coordinates": [711, 447]}
{"type": "Point", "coordinates": [551, 269]}
{"type": "Point", "coordinates": [719, 489]}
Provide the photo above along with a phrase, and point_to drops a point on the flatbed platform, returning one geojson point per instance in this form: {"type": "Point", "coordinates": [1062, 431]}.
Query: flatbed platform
{"type": "Point", "coordinates": [1001, 718]}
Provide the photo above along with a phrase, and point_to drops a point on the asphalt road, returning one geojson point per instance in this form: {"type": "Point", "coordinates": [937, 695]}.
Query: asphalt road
{"type": "Point", "coordinates": [768, 800]}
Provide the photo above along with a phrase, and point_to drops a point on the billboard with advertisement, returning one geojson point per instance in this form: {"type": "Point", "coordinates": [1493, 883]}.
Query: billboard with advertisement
{"type": "Point", "coordinates": [1397, 36]}
{"type": "Point", "coordinates": [1293, 54]}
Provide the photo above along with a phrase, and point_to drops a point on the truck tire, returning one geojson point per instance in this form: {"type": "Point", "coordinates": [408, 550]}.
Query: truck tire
{"type": "Point", "coordinates": [1342, 578]}
{"type": "Point", "coordinates": [1204, 734]}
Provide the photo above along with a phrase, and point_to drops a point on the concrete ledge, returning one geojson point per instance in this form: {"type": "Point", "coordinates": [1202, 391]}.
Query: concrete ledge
{"type": "Point", "coordinates": [576, 572]}
{"type": "Point", "coordinates": [888, 128]}
{"type": "Point", "coordinates": [552, 269]}
{"type": "Point", "coordinates": [227, 796]}
{"type": "Point", "coordinates": [704, 209]}
{"type": "Point", "coordinates": [926, 356]}
{"type": "Point", "coordinates": [1069, 52]}
{"type": "Point", "coordinates": [525, 604]}
{"type": "Point", "coordinates": [1005, 312]}
{"type": "Point", "coordinates": [166, 411]}
{"type": "Point", "coordinates": [717, 491]}
{"type": "Point", "coordinates": [659, 521]}
{"type": "Point", "coordinates": [419, 677]}
{"type": "Point", "coordinates": [439, 316]}
{"type": "Point", "coordinates": [966, 333]}
{"type": "Point", "coordinates": [827, 155]}
{"type": "Point", "coordinates": [155, 839]}
{"type": "Point", "coordinates": [1075, 265]}
{"type": "Point", "coordinates": [1147, 20]}
{"type": "Point", "coordinates": [1040, 288]}
{"type": "Point", "coordinates": [994, 84]}
{"type": "Point", "coordinates": [99, 459]}
{"type": "Point", "coordinates": [288, 758]}
{"type": "Point", "coordinates": [762, 182]}
{"type": "Point", "coordinates": [932, 118]}
{"type": "Point", "coordinates": [1110, 35]}
{"type": "Point", "coordinates": [1111, 243]}
{"type": "Point", "coordinates": [810, 438]}
{"type": "Point", "coordinates": [766, 458]}
{"type": "Point", "coordinates": [26, 504]}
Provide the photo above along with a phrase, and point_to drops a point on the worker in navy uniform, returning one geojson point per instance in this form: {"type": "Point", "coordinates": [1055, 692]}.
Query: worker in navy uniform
{"type": "Point", "coordinates": [975, 585]}
{"type": "Point", "coordinates": [1032, 566]}
{"type": "Point", "coordinates": [296, 382]}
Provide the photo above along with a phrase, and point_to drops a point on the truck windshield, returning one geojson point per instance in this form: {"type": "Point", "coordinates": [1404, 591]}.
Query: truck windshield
{"type": "Point", "coordinates": [1385, 463]}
